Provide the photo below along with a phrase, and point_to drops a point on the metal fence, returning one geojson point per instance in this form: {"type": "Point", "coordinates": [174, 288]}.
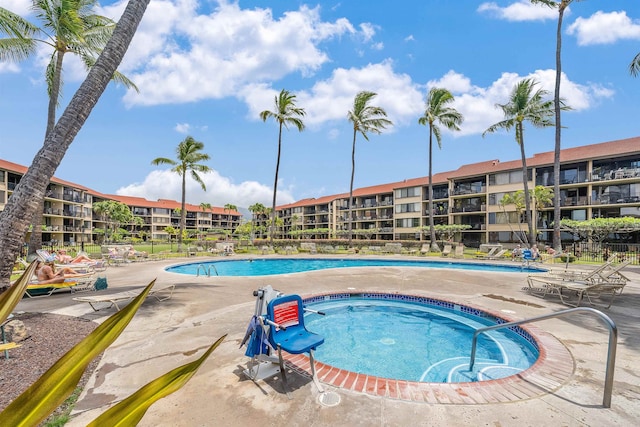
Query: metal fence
{"type": "Point", "coordinates": [601, 252]}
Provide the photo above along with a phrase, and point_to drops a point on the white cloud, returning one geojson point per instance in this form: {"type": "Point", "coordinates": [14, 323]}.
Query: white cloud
{"type": "Point", "coordinates": [523, 10]}
{"type": "Point", "coordinates": [377, 46]}
{"type": "Point", "coordinates": [478, 104]}
{"type": "Point", "coordinates": [333, 98]}
{"type": "Point", "coordinates": [604, 28]}
{"type": "Point", "coordinates": [19, 7]}
{"type": "Point", "coordinates": [178, 56]}
{"type": "Point", "coordinates": [403, 99]}
{"type": "Point", "coordinates": [409, 38]}
{"type": "Point", "coordinates": [368, 31]}
{"type": "Point", "coordinates": [9, 67]}
{"type": "Point", "coordinates": [182, 128]}
{"type": "Point", "coordinates": [164, 184]}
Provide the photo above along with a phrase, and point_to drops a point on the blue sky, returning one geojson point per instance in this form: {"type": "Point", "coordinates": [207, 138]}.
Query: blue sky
{"type": "Point", "coordinates": [206, 69]}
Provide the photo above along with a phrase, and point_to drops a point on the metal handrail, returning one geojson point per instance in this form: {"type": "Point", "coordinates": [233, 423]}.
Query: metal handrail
{"type": "Point", "coordinates": [611, 353]}
{"type": "Point", "coordinates": [204, 271]}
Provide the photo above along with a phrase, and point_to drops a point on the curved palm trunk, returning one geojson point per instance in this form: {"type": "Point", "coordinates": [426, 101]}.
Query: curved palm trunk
{"type": "Point", "coordinates": [353, 171]}
{"type": "Point", "coordinates": [15, 218]}
{"type": "Point", "coordinates": [183, 214]}
{"type": "Point", "coordinates": [557, 243]}
{"type": "Point", "coordinates": [432, 229]}
{"type": "Point", "coordinates": [272, 226]}
{"type": "Point", "coordinates": [525, 181]}
{"type": "Point", "coordinates": [35, 239]}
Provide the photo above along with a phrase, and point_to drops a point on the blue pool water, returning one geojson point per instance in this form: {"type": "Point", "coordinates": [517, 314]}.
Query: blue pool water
{"type": "Point", "coordinates": [415, 341]}
{"type": "Point", "coordinates": [272, 266]}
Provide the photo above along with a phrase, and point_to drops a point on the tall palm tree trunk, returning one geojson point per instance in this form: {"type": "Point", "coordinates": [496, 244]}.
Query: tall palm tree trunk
{"type": "Point", "coordinates": [272, 226]}
{"type": "Point", "coordinates": [183, 214]}
{"type": "Point", "coordinates": [35, 239]}
{"type": "Point", "coordinates": [525, 181]}
{"type": "Point", "coordinates": [432, 229]}
{"type": "Point", "coordinates": [557, 243]}
{"type": "Point", "coordinates": [14, 219]}
{"type": "Point", "coordinates": [353, 171]}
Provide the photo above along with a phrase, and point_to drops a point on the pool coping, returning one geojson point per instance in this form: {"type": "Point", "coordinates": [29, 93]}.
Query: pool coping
{"type": "Point", "coordinates": [553, 368]}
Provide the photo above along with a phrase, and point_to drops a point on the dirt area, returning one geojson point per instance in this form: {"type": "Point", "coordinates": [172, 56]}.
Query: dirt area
{"type": "Point", "coordinates": [48, 337]}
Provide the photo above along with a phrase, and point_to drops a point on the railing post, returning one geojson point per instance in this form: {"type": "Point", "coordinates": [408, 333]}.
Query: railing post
{"type": "Point", "coordinates": [611, 350]}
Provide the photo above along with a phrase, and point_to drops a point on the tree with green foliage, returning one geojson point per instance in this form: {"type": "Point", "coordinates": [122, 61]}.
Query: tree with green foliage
{"type": "Point", "coordinates": [445, 231]}
{"type": "Point", "coordinates": [437, 112]}
{"type": "Point", "coordinates": [115, 215]}
{"type": "Point", "coordinates": [228, 207]}
{"type": "Point", "coordinates": [525, 104]}
{"type": "Point", "coordinates": [599, 229]}
{"type": "Point", "coordinates": [188, 157]}
{"type": "Point", "coordinates": [67, 27]}
{"type": "Point", "coordinates": [256, 210]}
{"type": "Point", "coordinates": [285, 113]}
{"type": "Point", "coordinates": [517, 200]}
{"type": "Point", "coordinates": [366, 119]}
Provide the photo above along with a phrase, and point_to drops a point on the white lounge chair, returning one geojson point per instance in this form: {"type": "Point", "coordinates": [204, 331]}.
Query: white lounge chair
{"type": "Point", "coordinates": [97, 302]}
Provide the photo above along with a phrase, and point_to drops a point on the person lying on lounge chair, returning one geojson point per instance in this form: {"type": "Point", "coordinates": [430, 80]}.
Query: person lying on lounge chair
{"type": "Point", "coordinates": [64, 258]}
{"type": "Point", "coordinates": [46, 273]}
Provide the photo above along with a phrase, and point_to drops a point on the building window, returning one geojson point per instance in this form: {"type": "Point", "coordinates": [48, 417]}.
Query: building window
{"type": "Point", "coordinates": [407, 192]}
{"type": "Point", "coordinates": [408, 207]}
{"type": "Point", "coordinates": [408, 222]}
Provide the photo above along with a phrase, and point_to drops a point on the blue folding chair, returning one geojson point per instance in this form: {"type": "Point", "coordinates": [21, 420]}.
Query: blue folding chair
{"type": "Point", "coordinates": [285, 316]}
{"type": "Point", "coordinates": [527, 257]}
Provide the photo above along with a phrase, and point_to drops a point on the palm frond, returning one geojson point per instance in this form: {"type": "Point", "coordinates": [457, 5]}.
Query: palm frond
{"type": "Point", "coordinates": [634, 67]}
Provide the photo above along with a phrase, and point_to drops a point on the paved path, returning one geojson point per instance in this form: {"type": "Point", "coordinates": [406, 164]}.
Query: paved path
{"type": "Point", "coordinates": [166, 334]}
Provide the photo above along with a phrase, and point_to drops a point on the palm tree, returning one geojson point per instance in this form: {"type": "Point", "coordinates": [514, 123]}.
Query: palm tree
{"type": "Point", "coordinates": [285, 113]}
{"type": "Point", "coordinates": [634, 67]}
{"type": "Point", "coordinates": [228, 207]}
{"type": "Point", "coordinates": [542, 197]}
{"type": "Point", "coordinates": [256, 209]}
{"type": "Point", "coordinates": [365, 118]}
{"type": "Point", "coordinates": [205, 207]}
{"type": "Point", "coordinates": [525, 105]}
{"type": "Point", "coordinates": [67, 27]}
{"type": "Point", "coordinates": [27, 196]}
{"type": "Point", "coordinates": [188, 157]}
{"type": "Point", "coordinates": [516, 199]}
{"type": "Point", "coordinates": [437, 111]}
{"type": "Point", "coordinates": [562, 5]}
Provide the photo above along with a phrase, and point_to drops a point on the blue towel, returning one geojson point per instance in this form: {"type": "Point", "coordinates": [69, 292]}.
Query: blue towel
{"type": "Point", "coordinates": [256, 337]}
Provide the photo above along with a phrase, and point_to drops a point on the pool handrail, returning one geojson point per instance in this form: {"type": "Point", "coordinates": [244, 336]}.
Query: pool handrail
{"type": "Point", "coordinates": [611, 352]}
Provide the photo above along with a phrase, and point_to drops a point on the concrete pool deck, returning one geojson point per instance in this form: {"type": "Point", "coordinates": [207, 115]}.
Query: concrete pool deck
{"type": "Point", "coordinates": [164, 335]}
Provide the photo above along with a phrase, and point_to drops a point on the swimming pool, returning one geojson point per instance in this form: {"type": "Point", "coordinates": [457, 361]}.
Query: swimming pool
{"type": "Point", "coordinates": [273, 266]}
{"type": "Point", "coordinates": [412, 338]}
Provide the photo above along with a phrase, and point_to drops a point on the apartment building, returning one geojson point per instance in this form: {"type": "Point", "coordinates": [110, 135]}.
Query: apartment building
{"type": "Point", "coordinates": [599, 180]}
{"type": "Point", "coordinates": [69, 216]}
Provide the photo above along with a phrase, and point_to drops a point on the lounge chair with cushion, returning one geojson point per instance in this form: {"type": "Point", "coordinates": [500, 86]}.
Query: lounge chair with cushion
{"type": "Point", "coordinates": [76, 284]}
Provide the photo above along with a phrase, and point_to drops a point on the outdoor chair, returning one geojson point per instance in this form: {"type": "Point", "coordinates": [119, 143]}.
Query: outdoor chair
{"type": "Point", "coordinates": [458, 252]}
{"type": "Point", "coordinates": [285, 316]}
{"type": "Point", "coordinates": [497, 255]}
{"type": "Point", "coordinates": [605, 280]}
{"type": "Point", "coordinates": [447, 250]}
